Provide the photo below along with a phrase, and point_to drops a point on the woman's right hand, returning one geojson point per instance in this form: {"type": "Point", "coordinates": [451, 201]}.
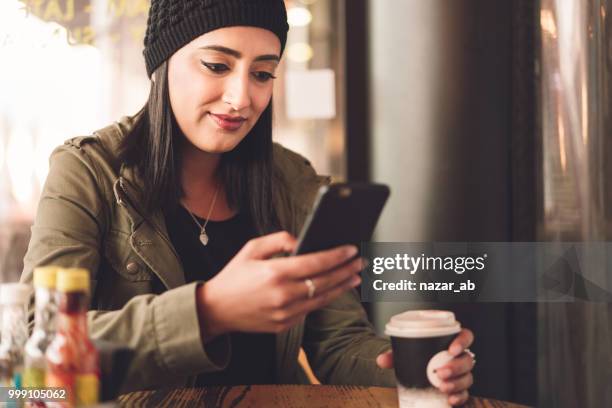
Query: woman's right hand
{"type": "Point", "coordinates": [254, 293]}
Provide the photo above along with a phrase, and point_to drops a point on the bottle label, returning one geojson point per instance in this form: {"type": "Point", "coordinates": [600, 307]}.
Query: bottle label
{"type": "Point", "coordinates": [34, 377]}
{"type": "Point", "coordinates": [17, 380]}
{"type": "Point", "coordinates": [58, 380]}
{"type": "Point", "coordinates": [63, 381]}
{"type": "Point", "coordinates": [87, 389]}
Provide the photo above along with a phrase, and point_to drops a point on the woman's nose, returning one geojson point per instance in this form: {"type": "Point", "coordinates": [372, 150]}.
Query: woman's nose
{"type": "Point", "coordinates": [237, 93]}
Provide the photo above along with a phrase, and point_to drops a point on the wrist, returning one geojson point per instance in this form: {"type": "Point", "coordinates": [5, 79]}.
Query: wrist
{"type": "Point", "coordinates": [208, 313]}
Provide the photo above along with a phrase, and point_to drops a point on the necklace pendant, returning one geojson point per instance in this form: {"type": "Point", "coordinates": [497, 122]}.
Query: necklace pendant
{"type": "Point", "coordinates": [203, 237]}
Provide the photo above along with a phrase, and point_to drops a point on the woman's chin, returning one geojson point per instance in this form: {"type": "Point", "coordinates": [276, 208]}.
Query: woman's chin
{"type": "Point", "coordinates": [216, 141]}
{"type": "Point", "coordinates": [218, 147]}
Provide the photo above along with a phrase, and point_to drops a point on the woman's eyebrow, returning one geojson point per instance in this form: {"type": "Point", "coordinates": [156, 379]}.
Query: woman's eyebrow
{"type": "Point", "coordinates": [238, 54]}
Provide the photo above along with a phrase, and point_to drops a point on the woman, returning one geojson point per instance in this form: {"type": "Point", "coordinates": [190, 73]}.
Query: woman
{"type": "Point", "coordinates": [181, 212]}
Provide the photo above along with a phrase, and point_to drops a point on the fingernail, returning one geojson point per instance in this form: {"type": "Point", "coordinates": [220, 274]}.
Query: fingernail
{"type": "Point", "coordinates": [444, 373]}
{"type": "Point", "coordinates": [351, 251]}
{"type": "Point", "coordinates": [364, 263]}
{"type": "Point", "coordinates": [355, 281]}
{"type": "Point", "coordinates": [456, 350]}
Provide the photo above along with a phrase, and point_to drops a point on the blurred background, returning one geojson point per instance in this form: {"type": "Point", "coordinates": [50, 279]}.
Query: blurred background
{"type": "Point", "coordinates": [489, 119]}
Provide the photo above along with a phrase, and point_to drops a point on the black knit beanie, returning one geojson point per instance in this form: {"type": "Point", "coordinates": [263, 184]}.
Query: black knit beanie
{"type": "Point", "coordinates": [174, 23]}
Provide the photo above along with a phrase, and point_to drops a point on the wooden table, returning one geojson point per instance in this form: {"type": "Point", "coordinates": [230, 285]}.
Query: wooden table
{"type": "Point", "coordinates": [286, 396]}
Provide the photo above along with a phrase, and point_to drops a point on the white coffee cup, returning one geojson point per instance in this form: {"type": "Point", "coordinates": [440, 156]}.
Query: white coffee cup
{"type": "Point", "coordinates": [420, 341]}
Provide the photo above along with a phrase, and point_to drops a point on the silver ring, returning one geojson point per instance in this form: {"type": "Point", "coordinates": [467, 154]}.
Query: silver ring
{"type": "Point", "coordinates": [311, 288]}
{"type": "Point", "coordinates": [467, 350]}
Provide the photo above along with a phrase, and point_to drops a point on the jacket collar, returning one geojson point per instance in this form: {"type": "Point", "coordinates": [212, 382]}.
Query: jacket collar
{"type": "Point", "coordinates": [149, 236]}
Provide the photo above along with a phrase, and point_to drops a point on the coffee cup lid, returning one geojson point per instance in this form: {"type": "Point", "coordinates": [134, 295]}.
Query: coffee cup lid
{"type": "Point", "coordinates": [423, 323]}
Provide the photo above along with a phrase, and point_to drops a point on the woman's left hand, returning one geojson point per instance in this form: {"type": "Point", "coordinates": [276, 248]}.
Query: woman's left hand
{"type": "Point", "coordinates": [456, 374]}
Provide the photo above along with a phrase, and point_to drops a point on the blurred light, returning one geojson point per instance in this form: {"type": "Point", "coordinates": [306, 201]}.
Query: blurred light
{"type": "Point", "coordinates": [42, 78]}
{"type": "Point", "coordinates": [310, 94]}
{"type": "Point", "coordinates": [308, 2]}
{"type": "Point", "coordinates": [19, 161]}
{"type": "Point", "coordinates": [585, 112]}
{"type": "Point", "coordinates": [299, 16]}
{"type": "Point", "coordinates": [562, 153]}
{"type": "Point", "coordinates": [299, 52]}
{"type": "Point", "coordinates": [547, 22]}
{"type": "Point", "coordinates": [1, 146]}
{"type": "Point", "coordinates": [42, 150]}
{"type": "Point", "coordinates": [10, 8]}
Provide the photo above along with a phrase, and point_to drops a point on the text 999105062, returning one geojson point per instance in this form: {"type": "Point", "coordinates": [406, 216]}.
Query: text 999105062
{"type": "Point", "coordinates": [8, 394]}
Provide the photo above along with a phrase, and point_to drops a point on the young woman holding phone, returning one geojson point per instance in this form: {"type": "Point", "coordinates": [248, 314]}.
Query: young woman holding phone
{"type": "Point", "coordinates": [180, 211]}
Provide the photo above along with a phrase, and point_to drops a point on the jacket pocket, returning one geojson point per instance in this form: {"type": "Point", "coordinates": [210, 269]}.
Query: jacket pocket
{"type": "Point", "coordinates": [124, 260]}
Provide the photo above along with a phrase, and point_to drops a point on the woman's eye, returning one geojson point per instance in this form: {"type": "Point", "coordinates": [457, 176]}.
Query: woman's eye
{"type": "Point", "coordinates": [216, 68]}
{"type": "Point", "coordinates": [263, 76]}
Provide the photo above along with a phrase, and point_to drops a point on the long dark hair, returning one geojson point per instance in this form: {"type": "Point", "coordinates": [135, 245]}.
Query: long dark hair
{"type": "Point", "coordinates": [246, 172]}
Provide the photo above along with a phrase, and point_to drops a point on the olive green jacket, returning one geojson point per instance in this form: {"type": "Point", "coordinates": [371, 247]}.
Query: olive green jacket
{"type": "Point", "coordinates": [89, 216]}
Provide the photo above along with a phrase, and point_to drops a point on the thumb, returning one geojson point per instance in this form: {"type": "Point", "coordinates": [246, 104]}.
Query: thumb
{"type": "Point", "coordinates": [268, 245]}
{"type": "Point", "coordinates": [385, 360]}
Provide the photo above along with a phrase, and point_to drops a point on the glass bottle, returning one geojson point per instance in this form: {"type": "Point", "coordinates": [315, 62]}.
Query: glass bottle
{"type": "Point", "coordinates": [72, 359]}
{"type": "Point", "coordinates": [44, 327]}
{"type": "Point", "coordinates": [13, 300]}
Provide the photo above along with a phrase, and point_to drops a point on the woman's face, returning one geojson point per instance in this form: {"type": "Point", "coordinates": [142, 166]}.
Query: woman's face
{"type": "Point", "coordinates": [220, 83]}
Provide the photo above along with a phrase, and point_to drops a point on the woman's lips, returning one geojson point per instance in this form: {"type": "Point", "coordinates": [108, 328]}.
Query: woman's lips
{"type": "Point", "coordinates": [227, 122]}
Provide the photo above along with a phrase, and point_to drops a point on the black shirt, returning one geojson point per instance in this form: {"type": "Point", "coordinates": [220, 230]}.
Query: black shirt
{"type": "Point", "coordinates": [252, 354]}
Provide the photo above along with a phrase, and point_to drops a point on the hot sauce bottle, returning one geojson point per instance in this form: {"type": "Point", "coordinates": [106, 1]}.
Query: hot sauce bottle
{"type": "Point", "coordinates": [44, 327]}
{"type": "Point", "coordinates": [72, 359]}
{"type": "Point", "coordinates": [13, 301]}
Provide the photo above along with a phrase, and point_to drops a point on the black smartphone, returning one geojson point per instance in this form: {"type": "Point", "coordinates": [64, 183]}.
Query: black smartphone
{"type": "Point", "coordinates": [343, 213]}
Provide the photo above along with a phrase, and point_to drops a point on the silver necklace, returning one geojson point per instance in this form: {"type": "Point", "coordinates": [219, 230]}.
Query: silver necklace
{"type": "Point", "coordinates": [203, 235]}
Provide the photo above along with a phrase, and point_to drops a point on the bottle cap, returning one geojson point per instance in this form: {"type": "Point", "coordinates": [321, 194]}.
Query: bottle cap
{"type": "Point", "coordinates": [45, 276]}
{"type": "Point", "coordinates": [73, 280]}
{"type": "Point", "coordinates": [14, 293]}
